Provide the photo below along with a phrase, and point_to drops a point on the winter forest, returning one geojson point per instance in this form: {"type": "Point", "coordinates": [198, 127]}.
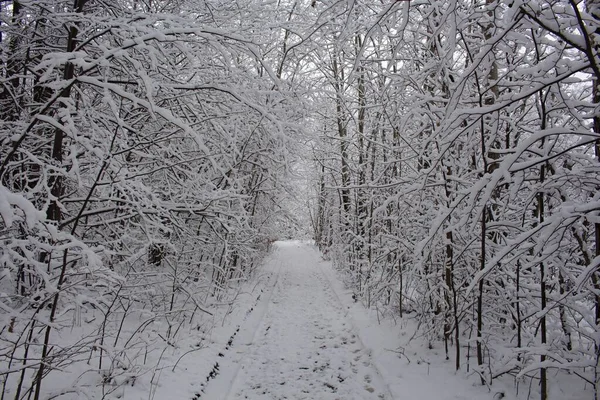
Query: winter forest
{"type": "Point", "coordinates": [443, 156]}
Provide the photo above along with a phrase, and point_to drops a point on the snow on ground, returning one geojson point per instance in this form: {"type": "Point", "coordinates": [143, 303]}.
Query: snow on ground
{"type": "Point", "coordinates": [307, 339]}
{"type": "Point", "coordinates": [305, 347]}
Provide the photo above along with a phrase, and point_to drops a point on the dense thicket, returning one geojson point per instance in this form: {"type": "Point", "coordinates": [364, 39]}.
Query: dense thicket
{"type": "Point", "coordinates": [145, 161]}
{"type": "Point", "coordinates": [458, 175]}
{"type": "Point", "coordinates": [142, 147]}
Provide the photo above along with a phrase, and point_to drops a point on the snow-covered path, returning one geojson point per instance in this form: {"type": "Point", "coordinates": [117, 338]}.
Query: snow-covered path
{"type": "Point", "coordinates": [304, 346]}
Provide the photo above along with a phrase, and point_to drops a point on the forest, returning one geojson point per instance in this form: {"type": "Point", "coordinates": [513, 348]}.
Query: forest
{"type": "Point", "coordinates": [443, 155]}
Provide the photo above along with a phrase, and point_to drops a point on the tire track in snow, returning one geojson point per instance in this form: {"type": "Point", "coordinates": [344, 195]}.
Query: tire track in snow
{"type": "Point", "coordinates": [224, 382]}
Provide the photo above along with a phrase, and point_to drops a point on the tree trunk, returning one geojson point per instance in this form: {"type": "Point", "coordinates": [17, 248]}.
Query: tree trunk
{"type": "Point", "coordinates": [54, 210]}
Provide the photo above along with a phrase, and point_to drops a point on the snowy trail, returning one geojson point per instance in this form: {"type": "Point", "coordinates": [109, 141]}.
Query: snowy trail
{"type": "Point", "coordinates": [304, 346]}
